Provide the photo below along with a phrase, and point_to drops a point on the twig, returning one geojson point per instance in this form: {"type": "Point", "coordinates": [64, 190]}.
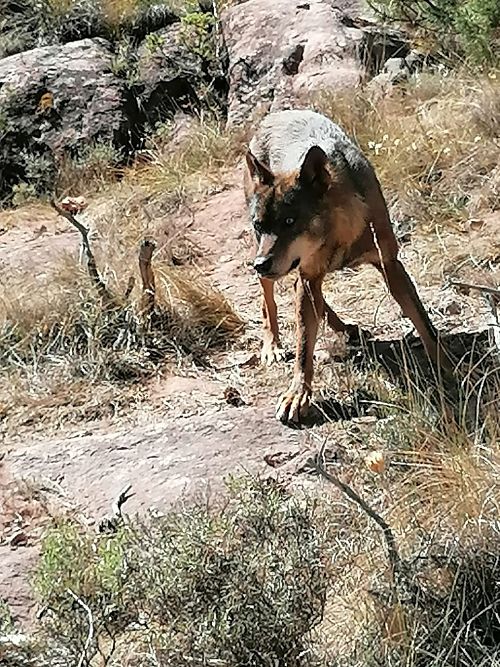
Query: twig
{"type": "Point", "coordinates": [90, 634]}
{"type": "Point", "coordinates": [392, 550]}
{"type": "Point", "coordinates": [110, 523]}
{"type": "Point", "coordinates": [481, 288]}
{"type": "Point", "coordinates": [130, 287]}
{"type": "Point", "coordinates": [91, 263]}
{"type": "Point", "coordinates": [147, 275]}
{"type": "Point", "coordinates": [121, 500]}
{"type": "Point", "coordinates": [215, 10]}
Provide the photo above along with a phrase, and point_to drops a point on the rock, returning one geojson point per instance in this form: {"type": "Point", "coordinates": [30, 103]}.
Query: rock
{"type": "Point", "coordinates": [53, 101]}
{"type": "Point", "coordinates": [415, 61]}
{"type": "Point", "coordinates": [173, 76]}
{"type": "Point", "coordinates": [17, 539]}
{"type": "Point", "coordinates": [397, 70]}
{"type": "Point", "coordinates": [380, 45]}
{"type": "Point", "coordinates": [280, 51]}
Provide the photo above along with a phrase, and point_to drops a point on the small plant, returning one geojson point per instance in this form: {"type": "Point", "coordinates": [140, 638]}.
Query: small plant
{"type": "Point", "coordinates": [39, 170]}
{"type": "Point", "coordinates": [244, 584]}
{"type": "Point", "coordinates": [23, 193]}
{"type": "Point", "coordinates": [469, 27]}
{"type": "Point", "coordinates": [95, 166]}
{"type": "Point", "coordinates": [154, 42]}
{"type": "Point", "coordinates": [6, 621]}
{"type": "Point", "coordinates": [124, 62]}
{"type": "Point", "coordinates": [197, 34]}
{"type": "Point", "coordinates": [81, 578]}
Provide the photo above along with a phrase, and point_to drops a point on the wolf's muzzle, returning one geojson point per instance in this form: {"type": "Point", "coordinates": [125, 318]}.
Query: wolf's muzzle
{"type": "Point", "coordinates": [263, 264]}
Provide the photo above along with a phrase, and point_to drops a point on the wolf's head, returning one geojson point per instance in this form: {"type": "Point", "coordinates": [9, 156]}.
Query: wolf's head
{"type": "Point", "coordinates": [285, 211]}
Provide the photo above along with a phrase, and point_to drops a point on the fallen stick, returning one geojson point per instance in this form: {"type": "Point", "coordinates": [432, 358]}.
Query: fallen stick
{"type": "Point", "coordinates": [109, 524]}
{"type": "Point", "coordinates": [390, 540]}
{"type": "Point", "coordinates": [121, 500]}
{"type": "Point", "coordinates": [130, 287]}
{"type": "Point", "coordinates": [91, 263]}
{"type": "Point", "coordinates": [481, 288]}
{"type": "Point", "coordinates": [90, 635]}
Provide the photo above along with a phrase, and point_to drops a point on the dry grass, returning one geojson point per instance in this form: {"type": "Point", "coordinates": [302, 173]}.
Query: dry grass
{"type": "Point", "coordinates": [180, 164]}
{"type": "Point", "coordinates": [55, 338]}
{"type": "Point", "coordinates": [30, 24]}
{"type": "Point", "coordinates": [202, 157]}
{"type": "Point", "coordinates": [65, 354]}
{"type": "Point", "coordinates": [118, 12]}
{"type": "Point", "coordinates": [434, 143]}
{"type": "Point", "coordinates": [439, 492]}
{"type": "Point", "coordinates": [68, 351]}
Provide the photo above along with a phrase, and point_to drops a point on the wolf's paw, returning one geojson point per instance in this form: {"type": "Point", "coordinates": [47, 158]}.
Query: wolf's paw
{"type": "Point", "coordinates": [355, 335]}
{"type": "Point", "coordinates": [271, 352]}
{"type": "Point", "coordinates": [293, 405]}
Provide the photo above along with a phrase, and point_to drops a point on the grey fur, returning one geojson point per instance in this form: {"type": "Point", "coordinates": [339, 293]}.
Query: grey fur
{"type": "Point", "coordinates": [284, 137]}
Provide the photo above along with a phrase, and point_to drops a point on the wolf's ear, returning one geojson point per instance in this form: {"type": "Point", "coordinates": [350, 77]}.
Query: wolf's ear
{"type": "Point", "coordinates": [258, 171]}
{"type": "Point", "coordinates": [313, 170]}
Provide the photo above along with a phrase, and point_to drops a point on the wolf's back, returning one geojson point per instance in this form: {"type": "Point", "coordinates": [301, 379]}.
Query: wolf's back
{"type": "Point", "coordinates": [284, 137]}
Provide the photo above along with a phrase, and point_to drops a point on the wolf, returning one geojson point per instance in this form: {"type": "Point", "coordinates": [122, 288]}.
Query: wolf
{"type": "Point", "coordinates": [316, 206]}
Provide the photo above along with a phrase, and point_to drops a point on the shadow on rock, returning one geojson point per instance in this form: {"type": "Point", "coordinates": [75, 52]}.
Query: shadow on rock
{"type": "Point", "coordinates": [476, 381]}
{"type": "Point", "coordinates": [474, 388]}
{"type": "Point", "coordinates": [330, 409]}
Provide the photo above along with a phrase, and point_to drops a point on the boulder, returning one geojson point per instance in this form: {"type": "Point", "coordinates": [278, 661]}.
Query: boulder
{"type": "Point", "coordinates": [280, 51]}
{"type": "Point", "coordinates": [395, 71]}
{"type": "Point", "coordinates": [173, 76]}
{"type": "Point", "coordinates": [54, 100]}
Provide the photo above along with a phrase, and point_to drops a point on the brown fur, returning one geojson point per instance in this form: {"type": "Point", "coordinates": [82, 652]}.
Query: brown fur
{"type": "Point", "coordinates": [348, 228]}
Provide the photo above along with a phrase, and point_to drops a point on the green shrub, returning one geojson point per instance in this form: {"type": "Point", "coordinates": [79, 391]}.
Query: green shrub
{"type": "Point", "coordinates": [80, 580]}
{"type": "Point", "coordinates": [26, 24]}
{"type": "Point", "coordinates": [95, 166]}
{"type": "Point", "coordinates": [6, 622]}
{"type": "Point", "coordinates": [467, 26]}
{"type": "Point", "coordinates": [196, 34]}
{"type": "Point", "coordinates": [244, 584]}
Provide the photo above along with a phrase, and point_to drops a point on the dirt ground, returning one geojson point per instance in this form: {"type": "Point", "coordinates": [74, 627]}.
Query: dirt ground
{"type": "Point", "coordinates": [186, 438]}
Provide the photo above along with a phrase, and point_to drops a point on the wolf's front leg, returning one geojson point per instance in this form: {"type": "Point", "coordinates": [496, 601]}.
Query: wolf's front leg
{"type": "Point", "coordinates": [294, 404]}
{"type": "Point", "coordinates": [271, 348]}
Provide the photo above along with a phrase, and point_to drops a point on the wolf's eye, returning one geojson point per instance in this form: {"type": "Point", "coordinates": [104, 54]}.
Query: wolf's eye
{"type": "Point", "coordinates": [289, 221]}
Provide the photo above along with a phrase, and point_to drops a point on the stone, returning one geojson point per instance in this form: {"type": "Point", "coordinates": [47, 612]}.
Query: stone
{"type": "Point", "coordinates": [53, 101]}
{"type": "Point", "coordinates": [169, 75]}
{"type": "Point", "coordinates": [282, 51]}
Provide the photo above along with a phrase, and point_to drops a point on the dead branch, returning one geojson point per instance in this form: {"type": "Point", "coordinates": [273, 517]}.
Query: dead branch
{"type": "Point", "coordinates": [90, 636]}
{"type": "Point", "coordinates": [109, 524]}
{"type": "Point", "coordinates": [121, 500]}
{"type": "Point", "coordinates": [91, 263]}
{"type": "Point", "coordinates": [390, 540]}
{"type": "Point", "coordinates": [130, 287]}
{"type": "Point", "coordinates": [148, 279]}
{"type": "Point", "coordinates": [481, 288]}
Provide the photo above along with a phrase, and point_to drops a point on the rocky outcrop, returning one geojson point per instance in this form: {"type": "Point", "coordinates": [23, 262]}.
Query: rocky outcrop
{"type": "Point", "coordinates": [282, 50]}
{"type": "Point", "coordinates": [56, 100]}
{"type": "Point", "coordinates": [262, 55]}
{"type": "Point", "coordinates": [53, 100]}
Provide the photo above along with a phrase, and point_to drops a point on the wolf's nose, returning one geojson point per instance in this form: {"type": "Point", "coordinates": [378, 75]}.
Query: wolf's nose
{"type": "Point", "coordinates": [262, 264]}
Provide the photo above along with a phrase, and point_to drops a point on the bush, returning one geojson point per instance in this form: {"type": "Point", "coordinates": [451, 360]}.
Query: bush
{"type": "Point", "coordinates": [470, 26]}
{"type": "Point", "coordinates": [244, 584]}
{"type": "Point", "coordinates": [27, 24]}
